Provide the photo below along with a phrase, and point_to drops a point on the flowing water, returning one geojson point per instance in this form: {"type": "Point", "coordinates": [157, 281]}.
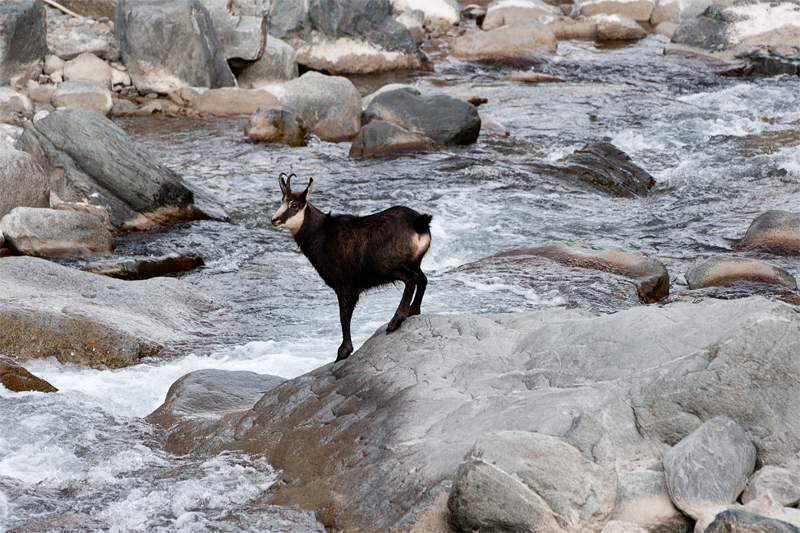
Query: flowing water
{"type": "Point", "coordinates": [722, 150]}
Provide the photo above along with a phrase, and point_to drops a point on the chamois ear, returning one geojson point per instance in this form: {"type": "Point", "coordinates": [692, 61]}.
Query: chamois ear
{"type": "Point", "coordinates": [306, 192]}
{"type": "Point", "coordinates": [284, 185]}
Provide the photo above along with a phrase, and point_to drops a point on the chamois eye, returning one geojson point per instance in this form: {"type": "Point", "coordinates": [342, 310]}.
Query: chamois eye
{"type": "Point", "coordinates": [294, 205]}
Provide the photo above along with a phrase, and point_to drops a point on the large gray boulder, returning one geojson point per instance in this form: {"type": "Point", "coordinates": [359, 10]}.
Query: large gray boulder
{"type": "Point", "coordinates": [23, 183]}
{"type": "Point", "coordinates": [380, 138]}
{"type": "Point", "coordinates": [241, 27]}
{"type": "Point", "coordinates": [444, 119]}
{"type": "Point", "coordinates": [170, 45]}
{"type": "Point", "coordinates": [765, 33]}
{"type": "Point", "coordinates": [383, 433]}
{"type": "Point", "coordinates": [776, 232]}
{"type": "Point", "coordinates": [23, 45]}
{"type": "Point", "coordinates": [710, 466]}
{"type": "Point", "coordinates": [94, 166]}
{"type": "Point", "coordinates": [48, 310]}
{"type": "Point", "coordinates": [604, 167]}
{"type": "Point", "coordinates": [277, 65]}
{"type": "Point", "coordinates": [522, 481]}
{"type": "Point", "coordinates": [52, 233]}
{"type": "Point", "coordinates": [330, 106]}
{"type": "Point", "coordinates": [346, 36]}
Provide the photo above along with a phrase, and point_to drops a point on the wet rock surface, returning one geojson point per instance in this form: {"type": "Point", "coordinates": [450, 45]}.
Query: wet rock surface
{"type": "Point", "coordinates": [775, 232]}
{"type": "Point", "coordinates": [47, 310]}
{"type": "Point", "coordinates": [604, 167]}
{"type": "Point", "coordinates": [444, 119]}
{"type": "Point", "coordinates": [139, 268]}
{"type": "Point", "coordinates": [380, 138]}
{"type": "Point", "coordinates": [394, 404]}
{"type": "Point", "coordinates": [17, 379]}
{"type": "Point", "coordinates": [722, 270]}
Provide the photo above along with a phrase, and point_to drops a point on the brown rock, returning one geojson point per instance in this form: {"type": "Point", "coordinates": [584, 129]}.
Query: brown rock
{"type": "Point", "coordinates": [276, 125]}
{"type": "Point", "coordinates": [138, 268]}
{"type": "Point", "coordinates": [517, 43]}
{"type": "Point", "coordinates": [17, 379]}
{"type": "Point", "coordinates": [474, 99]}
{"type": "Point", "coordinates": [775, 232]}
{"type": "Point", "coordinates": [721, 270]}
{"type": "Point", "coordinates": [618, 28]}
{"type": "Point", "coordinates": [567, 28]}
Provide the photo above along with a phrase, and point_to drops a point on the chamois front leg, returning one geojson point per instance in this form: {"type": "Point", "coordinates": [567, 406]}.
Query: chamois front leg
{"type": "Point", "coordinates": [347, 302]}
{"type": "Point", "coordinates": [402, 310]}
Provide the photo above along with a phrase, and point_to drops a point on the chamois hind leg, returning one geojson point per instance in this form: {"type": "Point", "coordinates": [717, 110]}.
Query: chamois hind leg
{"type": "Point", "coordinates": [422, 282]}
{"type": "Point", "coordinates": [347, 302]}
{"type": "Point", "coordinates": [402, 310]}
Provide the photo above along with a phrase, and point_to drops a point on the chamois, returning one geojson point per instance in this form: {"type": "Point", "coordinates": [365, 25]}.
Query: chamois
{"type": "Point", "coordinates": [353, 254]}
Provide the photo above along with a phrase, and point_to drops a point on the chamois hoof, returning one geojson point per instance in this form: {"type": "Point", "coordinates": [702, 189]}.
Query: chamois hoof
{"type": "Point", "coordinates": [343, 353]}
{"type": "Point", "coordinates": [394, 325]}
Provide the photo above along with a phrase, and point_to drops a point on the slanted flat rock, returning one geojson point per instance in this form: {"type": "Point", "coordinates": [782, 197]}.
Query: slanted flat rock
{"type": "Point", "coordinates": [605, 167]}
{"type": "Point", "coordinates": [383, 433]}
{"type": "Point", "coordinates": [48, 310]}
{"type": "Point", "coordinates": [721, 270]}
{"type": "Point", "coordinates": [775, 232]}
{"type": "Point", "coordinates": [95, 166]}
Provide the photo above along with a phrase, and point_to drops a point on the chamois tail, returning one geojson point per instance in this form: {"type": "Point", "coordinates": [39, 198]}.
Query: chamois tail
{"type": "Point", "coordinates": [422, 224]}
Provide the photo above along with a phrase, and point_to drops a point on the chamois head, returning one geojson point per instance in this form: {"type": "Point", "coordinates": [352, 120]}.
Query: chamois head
{"type": "Point", "coordinates": [291, 213]}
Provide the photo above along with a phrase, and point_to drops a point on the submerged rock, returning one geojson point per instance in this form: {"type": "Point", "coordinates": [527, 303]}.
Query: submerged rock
{"type": "Point", "coordinates": [710, 466]}
{"type": "Point", "coordinates": [23, 183]}
{"type": "Point", "coordinates": [94, 166]}
{"type": "Point", "coordinates": [23, 44]}
{"type": "Point", "coordinates": [605, 167]}
{"type": "Point", "coordinates": [52, 233]}
{"type": "Point", "coordinates": [170, 45]}
{"type": "Point", "coordinates": [380, 138]}
{"type": "Point", "coordinates": [48, 310]}
{"type": "Point", "coordinates": [502, 12]}
{"type": "Point", "coordinates": [138, 268]}
{"type": "Point", "coordinates": [276, 125]}
{"type": "Point", "coordinates": [519, 43]}
{"type": "Point", "coordinates": [775, 232]}
{"type": "Point", "coordinates": [17, 379]}
{"type": "Point", "coordinates": [355, 37]}
{"type": "Point", "coordinates": [383, 433]}
{"type": "Point", "coordinates": [524, 481]}
{"type": "Point", "coordinates": [444, 119]}
{"type": "Point", "coordinates": [721, 270]}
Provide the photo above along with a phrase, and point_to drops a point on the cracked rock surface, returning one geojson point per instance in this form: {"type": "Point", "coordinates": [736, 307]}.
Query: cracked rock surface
{"type": "Point", "coordinates": [370, 442]}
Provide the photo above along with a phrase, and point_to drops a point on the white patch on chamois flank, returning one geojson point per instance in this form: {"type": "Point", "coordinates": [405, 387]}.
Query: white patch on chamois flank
{"type": "Point", "coordinates": [420, 244]}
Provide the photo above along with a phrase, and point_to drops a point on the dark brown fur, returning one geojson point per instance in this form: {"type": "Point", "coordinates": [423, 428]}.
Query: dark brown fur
{"type": "Point", "coordinates": [353, 254]}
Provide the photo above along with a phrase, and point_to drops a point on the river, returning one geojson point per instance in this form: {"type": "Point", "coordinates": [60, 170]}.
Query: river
{"type": "Point", "coordinates": [722, 150]}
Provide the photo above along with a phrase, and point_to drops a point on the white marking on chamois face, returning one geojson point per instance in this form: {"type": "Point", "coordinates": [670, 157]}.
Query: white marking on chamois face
{"type": "Point", "coordinates": [295, 221]}
{"type": "Point", "coordinates": [420, 244]}
{"type": "Point", "coordinates": [284, 206]}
